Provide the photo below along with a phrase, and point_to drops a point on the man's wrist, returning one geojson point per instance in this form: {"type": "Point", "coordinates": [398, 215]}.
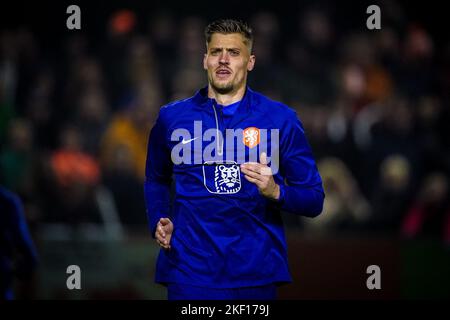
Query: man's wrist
{"type": "Point", "coordinates": [281, 194]}
{"type": "Point", "coordinates": [277, 192]}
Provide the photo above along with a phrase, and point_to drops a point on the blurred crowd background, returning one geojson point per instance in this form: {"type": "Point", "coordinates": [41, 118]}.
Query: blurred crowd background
{"type": "Point", "coordinates": [76, 108]}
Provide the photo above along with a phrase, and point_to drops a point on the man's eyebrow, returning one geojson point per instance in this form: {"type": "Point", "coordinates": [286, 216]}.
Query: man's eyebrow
{"type": "Point", "coordinates": [228, 49]}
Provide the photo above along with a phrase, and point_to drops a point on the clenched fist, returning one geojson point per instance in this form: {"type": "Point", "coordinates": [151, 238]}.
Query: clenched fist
{"type": "Point", "coordinates": [163, 233]}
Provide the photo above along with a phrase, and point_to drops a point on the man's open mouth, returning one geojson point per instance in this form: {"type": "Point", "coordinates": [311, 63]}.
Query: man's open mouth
{"type": "Point", "coordinates": [223, 71]}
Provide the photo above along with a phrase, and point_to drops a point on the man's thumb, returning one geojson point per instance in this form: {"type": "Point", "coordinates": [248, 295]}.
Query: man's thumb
{"type": "Point", "coordinates": [164, 221]}
{"type": "Point", "coordinates": [263, 158]}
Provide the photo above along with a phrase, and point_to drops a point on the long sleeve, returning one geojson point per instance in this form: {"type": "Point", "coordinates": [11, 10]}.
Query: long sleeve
{"type": "Point", "coordinates": [302, 193]}
{"type": "Point", "coordinates": [15, 229]}
{"type": "Point", "coordinates": [24, 242]}
{"type": "Point", "coordinates": [158, 175]}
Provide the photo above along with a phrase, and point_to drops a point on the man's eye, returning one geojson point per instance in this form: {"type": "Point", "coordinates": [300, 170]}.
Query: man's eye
{"type": "Point", "coordinates": [215, 53]}
{"type": "Point", "coordinates": [234, 53]}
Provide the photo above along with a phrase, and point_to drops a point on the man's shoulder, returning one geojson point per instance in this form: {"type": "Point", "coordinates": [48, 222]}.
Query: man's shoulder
{"type": "Point", "coordinates": [176, 108]}
{"type": "Point", "coordinates": [176, 105]}
{"type": "Point", "coordinates": [277, 110]}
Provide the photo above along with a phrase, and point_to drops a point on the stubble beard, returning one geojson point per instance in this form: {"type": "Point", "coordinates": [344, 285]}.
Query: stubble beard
{"type": "Point", "coordinates": [221, 88]}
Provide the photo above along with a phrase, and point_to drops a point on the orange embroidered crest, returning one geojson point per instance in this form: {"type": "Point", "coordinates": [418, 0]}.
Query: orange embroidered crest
{"type": "Point", "coordinates": [251, 137]}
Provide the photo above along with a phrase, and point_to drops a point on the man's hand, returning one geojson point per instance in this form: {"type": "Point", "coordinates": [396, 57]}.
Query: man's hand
{"type": "Point", "coordinates": [261, 175]}
{"type": "Point", "coordinates": [163, 233]}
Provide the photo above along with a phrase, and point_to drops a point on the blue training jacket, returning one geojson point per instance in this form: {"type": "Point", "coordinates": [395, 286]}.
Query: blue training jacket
{"type": "Point", "coordinates": [226, 234]}
{"type": "Point", "coordinates": [18, 255]}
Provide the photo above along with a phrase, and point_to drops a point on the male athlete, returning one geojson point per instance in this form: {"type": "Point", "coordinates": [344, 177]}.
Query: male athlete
{"type": "Point", "coordinates": [238, 159]}
{"type": "Point", "coordinates": [18, 255]}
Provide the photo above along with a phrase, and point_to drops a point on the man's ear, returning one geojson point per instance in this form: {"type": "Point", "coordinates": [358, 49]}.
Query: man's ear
{"type": "Point", "coordinates": [204, 61]}
{"type": "Point", "coordinates": [251, 62]}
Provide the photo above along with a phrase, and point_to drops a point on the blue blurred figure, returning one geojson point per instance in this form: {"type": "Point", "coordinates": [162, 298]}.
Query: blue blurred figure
{"type": "Point", "coordinates": [18, 256]}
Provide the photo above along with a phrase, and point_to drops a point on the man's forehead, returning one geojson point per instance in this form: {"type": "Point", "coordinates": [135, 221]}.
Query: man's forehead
{"type": "Point", "coordinates": [219, 40]}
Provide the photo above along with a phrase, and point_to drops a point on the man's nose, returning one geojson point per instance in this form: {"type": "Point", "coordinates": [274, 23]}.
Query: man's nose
{"type": "Point", "coordinates": [224, 58]}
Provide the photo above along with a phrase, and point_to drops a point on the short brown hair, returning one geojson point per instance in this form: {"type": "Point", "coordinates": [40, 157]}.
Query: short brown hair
{"type": "Point", "coordinates": [227, 26]}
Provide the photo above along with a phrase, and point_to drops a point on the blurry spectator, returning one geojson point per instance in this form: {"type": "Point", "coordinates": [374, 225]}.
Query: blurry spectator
{"type": "Point", "coordinates": [122, 22]}
{"type": "Point", "coordinates": [17, 158]}
{"type": "Point", "coordinates": [71, 164]}
{"type": "Point", "coordinates": [391, 134]}
{"type": "Point", "coordinates": [267, 78]}
{"type": "Point", "coordinates": [92, 119]}
{"type": "Point", "coordinates": [121, 28]}
{"type": "Point", "coordinates": [18, 256]}
{"type": "Point", "coordinates": [315, 121]}
{"type": "Point", "coordinates": [120, 178]}
{"type": "Point", "coordinates": [309, 69]}
{"type": "Point", "coordinates": [186, 83]}
{"type": "Point", "coordinates": [433, 133]}
{"type": "Point", "coordinates": [329, 133]}
{"type": "Point", "coordinates": [316, 31]}
{"type": "Point", "coordinates": [85, 102]}
{"type": "Point", "coordinates": [129, 128]}
{"type": "Point", "coordinates": [30, 61]}
{"type": "Point", "coordinates": [8, 81]}
{"type": "Point", "coordinates": [76, 54]}
{"type": "Point", "coordinates": [162, 32]}
{"type": "Point", "coordinates": [85, 74]}
{"type": "Point", "coordinates": [430, 213]}
{"type": "Point", "coordinates": [141, 64]}
{"type": "Point", "coordinates": [444, 73]}
{"type": "Point", "coordinates": [18, 55]}
{"type": "Point", "coordinates": [353, 88]}
{"type": "Point", "coordinates": [353, 84]}
{"type": "Point", "coordinates": [387, 44]}
{"type": "Point", "coordinates": [392, 195]}
{"type": "Point", "coordinates": [40, 110]}
{"type": "Point", "coordinates": [364, 80]}
{"type": "Point", "coordinates": [345, 206]}
{"type": "Point", "coordinates": [74, 177]}
{"type": "Point", "coordinates": [190, 42]}
{"type": "Point", "coordinates": [417, 75]}
{"type": "Point", "coordinates": [266, 25]}
{"type": "Point", "coordinates": [364, 122]}
{"type": "Point", "coordinates": [379, 83]}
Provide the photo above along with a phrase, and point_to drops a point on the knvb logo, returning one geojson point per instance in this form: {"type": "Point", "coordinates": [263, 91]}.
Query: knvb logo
{"type": "Point", "coordinates": [251, 137]}
{"type": "Point", "coordinates": [242, 145]}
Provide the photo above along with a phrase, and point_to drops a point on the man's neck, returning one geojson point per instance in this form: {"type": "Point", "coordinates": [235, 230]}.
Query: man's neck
{"type": "Point", "coordinates": [226, 99]}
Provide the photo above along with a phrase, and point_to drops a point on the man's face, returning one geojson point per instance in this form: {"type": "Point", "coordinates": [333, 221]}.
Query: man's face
{"type": "Point", "coordinates": [227, 61]}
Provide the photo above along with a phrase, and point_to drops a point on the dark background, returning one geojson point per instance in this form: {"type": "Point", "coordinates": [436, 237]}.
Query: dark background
{"type": "Point", "coordinates": [77, 107]}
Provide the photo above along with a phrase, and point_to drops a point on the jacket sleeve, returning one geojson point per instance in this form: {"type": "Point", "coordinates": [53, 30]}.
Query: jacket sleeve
{"type": "Point", "coordinates": [16, 230]}
{"type": "Point", "coordinates": [302, 192]}
{"type": "Point", "coordinates": [158, 174]}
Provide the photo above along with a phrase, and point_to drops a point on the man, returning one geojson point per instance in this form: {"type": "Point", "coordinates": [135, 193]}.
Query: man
{"type": "Point", "coordinates": [18, 256]}
{"type": "Point", "coordinates": [223, 238]}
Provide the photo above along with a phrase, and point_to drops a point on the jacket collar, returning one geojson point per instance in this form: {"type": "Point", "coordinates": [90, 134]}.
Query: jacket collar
{"type": "Point", "coordinates": [201, 99]}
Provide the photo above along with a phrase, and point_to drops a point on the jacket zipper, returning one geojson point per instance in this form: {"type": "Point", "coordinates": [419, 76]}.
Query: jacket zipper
{"type": "Point", "coordinates": [219, 144]}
